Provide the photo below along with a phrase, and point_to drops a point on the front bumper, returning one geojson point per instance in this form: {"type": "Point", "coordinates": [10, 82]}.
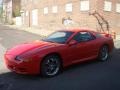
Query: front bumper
{"type": "Point", "coordinates": [21, 67]}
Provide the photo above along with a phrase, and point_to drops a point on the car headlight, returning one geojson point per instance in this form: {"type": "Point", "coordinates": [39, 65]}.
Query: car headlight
{"type": "Point", "coordinates": [18, 58]}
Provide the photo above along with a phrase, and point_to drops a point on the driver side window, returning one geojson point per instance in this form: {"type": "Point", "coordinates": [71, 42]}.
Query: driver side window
{"type": "Point", "coordinates": [83, 37]}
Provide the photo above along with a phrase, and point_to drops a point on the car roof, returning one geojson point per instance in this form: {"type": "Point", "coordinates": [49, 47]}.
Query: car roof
{"type": "Point", "coordinates": [79, 30]}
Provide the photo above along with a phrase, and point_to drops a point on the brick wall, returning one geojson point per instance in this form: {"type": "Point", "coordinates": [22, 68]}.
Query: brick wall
{"type": "Point", "coordinates": [81, 18]}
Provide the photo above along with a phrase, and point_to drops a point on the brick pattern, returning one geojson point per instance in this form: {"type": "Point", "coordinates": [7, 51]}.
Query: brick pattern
{"type": "Point", "coordinates": [81, 18]}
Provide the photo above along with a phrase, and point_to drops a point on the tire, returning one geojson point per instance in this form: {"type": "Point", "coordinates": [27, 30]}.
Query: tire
{"type": "Point", "coordinates": [51, 66]}
{"type": "Point", "coordinates": [103, 53]}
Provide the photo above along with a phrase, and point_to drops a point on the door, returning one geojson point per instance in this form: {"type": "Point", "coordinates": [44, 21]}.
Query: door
{"type": "Point", "coordinates": [86, 47]}
{"type": "Point", "coordinates": [35, 17]}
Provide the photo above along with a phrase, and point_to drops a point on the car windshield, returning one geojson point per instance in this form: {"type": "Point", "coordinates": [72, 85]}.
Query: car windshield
{"type": "Point", "coordinates": [59, 37]}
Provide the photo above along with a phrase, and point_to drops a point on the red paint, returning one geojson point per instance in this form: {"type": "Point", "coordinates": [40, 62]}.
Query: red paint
{"type": "Point", "coordinates": [33, 53]}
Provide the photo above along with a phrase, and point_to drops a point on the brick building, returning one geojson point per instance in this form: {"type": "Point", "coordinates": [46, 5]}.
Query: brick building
{"type": "Point", "coordinates": [52, 13]}
{"type": "Point", "coordinates": [11, 9]}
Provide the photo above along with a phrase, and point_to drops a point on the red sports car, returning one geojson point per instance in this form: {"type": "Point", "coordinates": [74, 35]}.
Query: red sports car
{"type": "Point", "coordinates": [58, 50]}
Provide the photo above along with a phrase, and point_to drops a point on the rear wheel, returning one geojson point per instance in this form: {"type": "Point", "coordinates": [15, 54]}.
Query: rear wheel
{"type": "Point", "coordinates": [103, 53]}
{"type": "Point", "coordinates": [50, 66]}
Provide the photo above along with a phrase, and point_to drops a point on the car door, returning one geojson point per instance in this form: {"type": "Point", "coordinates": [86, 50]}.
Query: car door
{"type": "Point", "coordinates": [86, 47]}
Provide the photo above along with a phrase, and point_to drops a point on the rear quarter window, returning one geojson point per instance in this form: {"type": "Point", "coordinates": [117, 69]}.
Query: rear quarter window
{"type": "Point", "coordinates": [98, 35]}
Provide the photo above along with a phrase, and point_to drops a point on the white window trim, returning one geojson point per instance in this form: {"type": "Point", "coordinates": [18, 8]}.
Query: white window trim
{"type": "Point", "coordinates": [85, 5]}
{"type": "Point", "coordinates": [55, 9]}
{"type": "Point", "coordinates": [69, 7]}
{"type": "Point", "coordinates": [118, 7]}
{"type": "Point", "coordinates": [107, 6]}
{"type": "Point", "coordinates": [46, 10]}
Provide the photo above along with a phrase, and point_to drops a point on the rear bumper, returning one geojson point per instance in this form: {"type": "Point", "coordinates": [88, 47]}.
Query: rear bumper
{"type": "Point", "coordinates": [22, 67]}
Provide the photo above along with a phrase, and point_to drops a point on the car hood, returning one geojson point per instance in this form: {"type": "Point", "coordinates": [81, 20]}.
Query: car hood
{"type": "Point", "coordinates": [19, 49]}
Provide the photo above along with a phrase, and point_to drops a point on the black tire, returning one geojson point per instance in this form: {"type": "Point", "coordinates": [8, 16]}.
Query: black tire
{"type": "Point", "coordinates": [51, 66]}
{"type": "Point", "coordinates": [103, 53]}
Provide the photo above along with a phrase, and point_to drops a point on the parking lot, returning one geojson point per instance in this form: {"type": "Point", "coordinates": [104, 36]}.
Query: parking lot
{"type": "Point", "coordinates": [86, 76]}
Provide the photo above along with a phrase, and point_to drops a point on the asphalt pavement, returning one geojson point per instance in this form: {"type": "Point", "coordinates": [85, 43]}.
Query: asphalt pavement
{"type": "Point", "coordinates": [86, 76]}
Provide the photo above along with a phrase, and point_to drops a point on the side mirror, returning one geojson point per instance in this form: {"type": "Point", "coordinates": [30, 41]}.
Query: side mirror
{"type": "Point", "coordinates": [72, 42]}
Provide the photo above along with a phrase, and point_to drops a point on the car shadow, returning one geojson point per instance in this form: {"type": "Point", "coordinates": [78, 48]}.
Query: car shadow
{"type": "Point", "coordinates": [72, 67]}
{"type": "Point", "coordinates": [85, 71]}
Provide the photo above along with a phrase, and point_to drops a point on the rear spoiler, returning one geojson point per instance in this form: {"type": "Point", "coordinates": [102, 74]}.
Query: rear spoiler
{"type": "Point", "coordinates": [112, 35]}
{"type": "Point", "coordinates": [106, 35]}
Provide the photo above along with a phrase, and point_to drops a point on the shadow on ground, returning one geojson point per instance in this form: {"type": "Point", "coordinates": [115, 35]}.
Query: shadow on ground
{"type": "Point", "coordinates": [93, 75]}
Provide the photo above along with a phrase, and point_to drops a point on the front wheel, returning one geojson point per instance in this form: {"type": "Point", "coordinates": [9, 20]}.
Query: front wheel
{"type": "Point", "coordinates": [103, 53]}
{"type": "Point", "coordinates": [50, 66]}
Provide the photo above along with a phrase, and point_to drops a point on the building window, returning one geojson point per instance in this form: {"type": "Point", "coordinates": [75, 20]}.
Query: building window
{"type": "Point", "coordinates": [118, 7]}
{"type": "Point", "coordinates": [84, 5]}
{"type": "Point", "coordinates": [54, 9]}
{"type": "Point", "coordinates": [46, 10]}
{"type": "Point", "coordinates": [107, 6]}
{"type": "Point", "coordinates": [68, 7]}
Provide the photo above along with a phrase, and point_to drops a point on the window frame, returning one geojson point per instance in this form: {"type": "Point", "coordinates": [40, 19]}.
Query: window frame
{"type": "Point", "coordinates": [107, 6]}
{"type": "Point", "coordinates": [87, 3]}
{"type": "Point", "coordinates": [118, 7]}
{"type": "Point", "coordinates": [45, 10]}
{"type": "Point", "coordinates": [92, 36]}
{"type": "Point", "coordinates": [69, 7]}
{"type": "Point", "coordinates": [55, 9]}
